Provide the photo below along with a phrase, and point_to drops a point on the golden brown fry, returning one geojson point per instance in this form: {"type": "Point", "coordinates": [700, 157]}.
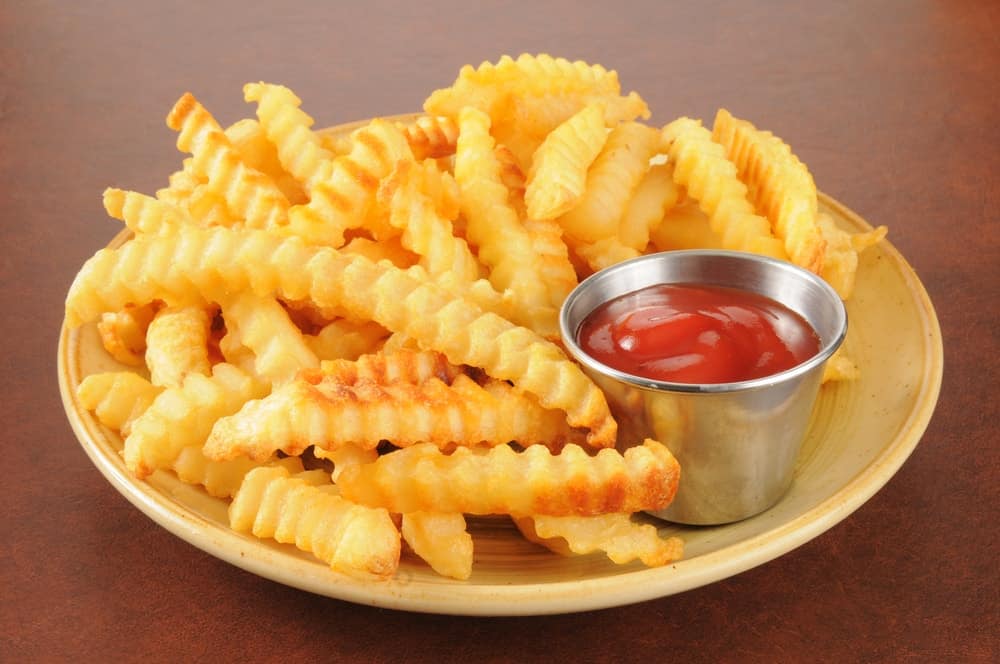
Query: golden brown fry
{"type": "Point", "coordinates": [604, 253]}
{"type": "Point", "coordinates": [546, 236]}
{"type": "Point", "coordinates": [207, 207]}
{"type": "Point", "coordinates": [431, 180]}
{"type": "Point", "coordinates": [701, 167]}
{"type": "Point", "coordinates": [250, 141]}
{"type": "Point", "coordinates": [779, 185]}
{"type": "Point", "coordinates": [123, 333]}
{"type": "Point", "coordinates": [441, 540]}
{"type": "Point", "coordinates": [841, 264]}
{"type": "Point", "coordinates": [502, 481]}
{"type": "Point", "coordinates": [177, 344]}
{"type": "Point", "coordinates": [685, 227]}
{"type": "Point", "coordinates": [288, 127]}
{"type": "Point", "coordinates": [144, 214]}
{"type": "Point", "coordinates": [558, 172]}
{"type": "Point", "coordinates": [656, 194]}
{"type": "Point", "coordinates": [180, 184]}
{"type": "Point", "coordinates": [552, 256]}
{"type": "Point", "coordinates": [221, 479]}
{"type": "Point", "coordinates": [250, 195]}
{"type": "Point", "coordinates": [344, 456]}
{"type": "Point", "coordinates": [431, 136]}
{"type": "Point", "coordinates": [528, 97]}
{"type": "Point", "coordinates": [219, 260]}
{"type": "Point", "coordinates": [488, 86]}
{"type": "Point", "coordinates": [117, 398]}
{"type": "Point", "coordinates": [424, 231]}
{"type": "Point", "coordinates": [840, 367]}
{"type": "Point", "coordinates": [611, 182]}
{"type": "Point", "coordinates": [526, 121]}
{"type": "Point", "coordinates": [622, 539]}
{"type": "Point", "coordinates": [493, 227]}
{"type": "Point", "coordinates": [389, 249]}
{"type": "Point", "coordinates": [350, 538]}
{"type": "Point", "coordinates": [183, 416]}
{"type": "Point", "coordinates": [262, 325]}
{"type": "Point", "coordinates": [510, 171]}
{"type": "Point", "coordinates": [345, 339]}
{"type": "Point", "coordinates": [400, 366]}
{"type": "Point", "coordinates": [326, 413]}
{"type": "Point", "coordinates": [342, 198]}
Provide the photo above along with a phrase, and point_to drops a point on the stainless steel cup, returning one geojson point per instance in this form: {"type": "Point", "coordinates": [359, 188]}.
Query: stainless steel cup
{"type": "Point", "coordinates": [736, 442]}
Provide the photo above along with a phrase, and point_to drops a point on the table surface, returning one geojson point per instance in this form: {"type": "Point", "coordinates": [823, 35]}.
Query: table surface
{"type": "Point", "coordinates": [893, 106]}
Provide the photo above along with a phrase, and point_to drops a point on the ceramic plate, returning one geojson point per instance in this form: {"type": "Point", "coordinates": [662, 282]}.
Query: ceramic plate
{"type": "Point", "coordinates": [861, 433]}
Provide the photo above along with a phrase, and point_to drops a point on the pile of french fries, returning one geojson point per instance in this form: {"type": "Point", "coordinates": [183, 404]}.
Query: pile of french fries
{"type": "Point", "coordinates": [354, 338]}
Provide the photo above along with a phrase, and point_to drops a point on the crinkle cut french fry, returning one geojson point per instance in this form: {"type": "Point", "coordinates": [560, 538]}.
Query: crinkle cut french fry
{"type": "Point", "coordinates": [656, 194]}
{"type": "Point", "coordinates": [779, 185]}
{"type": "Point", "coordinates": [493, 227]}
{"type": "Point", "coordinates": [344, 457]}
{"type": "Point", "coordinates": [438, 185]}
{"type": "Point", "coordinates": [250, 140]}
{"type": "Point", "coordinates": [268, 265]}
{"type": "Point", "coordinates": [288, 127]}
{"type": "Point", "coordinates": [558, 172]}
{"type": "Point", "coordinates": [329, 414]}
{"type": "Point", "coordinates": [617, 535]}
{"type": "Point", "coordinates": [543, 76]}
{"type": "Point", "coordinates": [347, 340]}
{"type": "Point", "coordinates": [192, 194]}
{"type": "Point", "coordinates": [251, 196]}
{"type": "Point", "coordinates": [555, 268]}
{"type": "Point", "coordinates": [611, 182]}
{"type": "Point", "coordinates": [702, 168]}
{"type": "Point", "coordinates": [424, 231]}
{"type": "Point", "coordinates": [441, 539]}
{"type": "Point", "coordinates": [529, 97]}
{"type": "Point", "coordinates": [604, 253]}
{"type": "Point", "coordinates": [221, 479]}
{"type": "Point", "coordinates": [546, 236]}
{"type": "Point", "coordinates": [263, 326]}
{"type": "Point", "coordinates": [512, 177]}
{"type": "Point", "coordinates": [431, 136]}
{"type": "Point", "coordinates": [840, 367]}
{"type": "Point", "coordinates": [841, 260]}
{"type": "Point", "coordinates": [502, 481]}
{"type": "Point", "coordinates": [180, 184]}
{"type": "Point", "coordinates": [183, 416]}
{"type": "Point", "coordinates": [400, 366]}
{"type": "Point", "coordinates": [342, 199]}
{"type": "Point", "coordinates": [350, 538]}
{"type": "Point", "coordinates": [177, 344]}
{"type": "Point", "coordinates": [144, 214]}
{"type": "Point", "coordinates": [117, 398]}
{"type": "Point", "coordinates": [123, 333]}
{"type": "Point", "coordinates": [390, 249]}
{"type": "Point", "coordinates": [235, 353]}
{"type": "Point", "coordinates": [685, 227]}
{"type": "Point", "coordinates": [208, 207]}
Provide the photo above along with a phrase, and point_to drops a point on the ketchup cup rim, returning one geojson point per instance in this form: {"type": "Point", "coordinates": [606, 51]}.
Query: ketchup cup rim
{"type": "Point", "coordinates": [569, 328]}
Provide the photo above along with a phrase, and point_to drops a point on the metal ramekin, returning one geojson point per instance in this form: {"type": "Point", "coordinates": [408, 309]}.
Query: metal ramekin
{"type": "Point", "coordinates": [736, 442]}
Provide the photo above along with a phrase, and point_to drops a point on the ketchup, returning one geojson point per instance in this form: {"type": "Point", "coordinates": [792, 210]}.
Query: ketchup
{"type": "Point", "coordinates": [686, 333]}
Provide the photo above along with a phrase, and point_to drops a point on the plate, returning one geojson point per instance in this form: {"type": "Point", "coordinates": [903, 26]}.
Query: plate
{"type": "Point", "coordinates": [860, 434]}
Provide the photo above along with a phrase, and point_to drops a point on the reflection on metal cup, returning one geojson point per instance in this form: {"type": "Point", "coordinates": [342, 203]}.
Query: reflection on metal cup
{"type": "Point", "coordinates": [736, 442]}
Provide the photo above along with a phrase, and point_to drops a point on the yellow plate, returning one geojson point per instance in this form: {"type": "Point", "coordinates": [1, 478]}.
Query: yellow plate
{"type": "Point", "coordinates": [860, 435]}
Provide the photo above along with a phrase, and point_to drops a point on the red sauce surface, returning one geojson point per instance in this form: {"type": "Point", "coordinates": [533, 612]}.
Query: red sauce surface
{"type": "Point", "coordinates": [697, 334]}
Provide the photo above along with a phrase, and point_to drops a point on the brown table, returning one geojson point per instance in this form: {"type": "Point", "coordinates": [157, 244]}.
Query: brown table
{"type": "Point", "coordinates": [892, 104]}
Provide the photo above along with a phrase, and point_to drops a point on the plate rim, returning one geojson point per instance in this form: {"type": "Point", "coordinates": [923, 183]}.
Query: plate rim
{"type": "Point", "coordinates": [465, 598]}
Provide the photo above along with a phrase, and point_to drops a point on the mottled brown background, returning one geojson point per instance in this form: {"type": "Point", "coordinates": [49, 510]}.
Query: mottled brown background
{"type": "Point", "coordinates": [892, 104]}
